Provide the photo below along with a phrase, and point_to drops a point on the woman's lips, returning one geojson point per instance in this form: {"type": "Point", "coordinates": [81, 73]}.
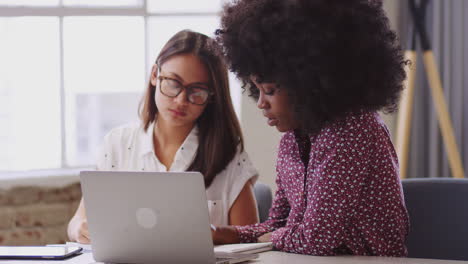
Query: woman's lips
{"type": "Point", "coordinates": [178, 113]}
{"type": "Point", "coordinates": [272, 121]}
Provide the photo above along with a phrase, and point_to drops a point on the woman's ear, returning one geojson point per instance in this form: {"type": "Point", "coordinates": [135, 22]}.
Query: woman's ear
{"type": "Point", "coordinates": [154, 75]}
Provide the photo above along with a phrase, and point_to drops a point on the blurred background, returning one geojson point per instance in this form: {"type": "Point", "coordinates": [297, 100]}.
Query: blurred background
{"type": "Point", "coordinates": [70, 70]}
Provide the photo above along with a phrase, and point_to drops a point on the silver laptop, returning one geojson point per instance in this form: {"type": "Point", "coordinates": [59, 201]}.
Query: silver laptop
{"type": "Point", "coordinates": [150, 217]}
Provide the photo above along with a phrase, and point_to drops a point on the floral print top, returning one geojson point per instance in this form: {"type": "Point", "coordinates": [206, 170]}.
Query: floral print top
{"type": "Point", "coordinates": [338, 192]}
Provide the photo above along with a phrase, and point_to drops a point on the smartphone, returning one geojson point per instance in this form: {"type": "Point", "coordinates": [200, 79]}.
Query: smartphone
{"type": "Point", "coordinates": [38, 252]}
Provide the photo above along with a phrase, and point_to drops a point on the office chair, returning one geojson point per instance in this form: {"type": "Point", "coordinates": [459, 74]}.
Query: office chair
{"type": "Point", "coordinates": [264, 197]}
{"type": "Point", "coordinates": [438, 210]}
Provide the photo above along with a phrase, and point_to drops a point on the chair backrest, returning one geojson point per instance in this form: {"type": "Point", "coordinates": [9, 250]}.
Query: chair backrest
{"type": "Point", "coordinates": [438, 210]}
{"type": "Point", "coordinates": [264, 198]}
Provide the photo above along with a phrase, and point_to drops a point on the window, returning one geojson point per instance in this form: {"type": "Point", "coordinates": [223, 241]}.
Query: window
{"type": "Point", "coordinates": [29, 92]}
{"type": "Point", "coordinates": [184, 6]}
{"type": "Point", "coordinates": [70, 70]}
{"type": "Point", "coordinates": [29, 3]}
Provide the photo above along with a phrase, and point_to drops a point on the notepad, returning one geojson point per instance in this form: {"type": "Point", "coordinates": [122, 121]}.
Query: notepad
{"type": "Point", "coordinates": [247, 248]}
{"type": "Point", "coordinates": [86, 247]}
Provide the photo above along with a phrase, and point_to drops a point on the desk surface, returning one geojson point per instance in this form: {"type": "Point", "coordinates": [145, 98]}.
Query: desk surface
{"type": "Point", "coordinates": [275, 257]}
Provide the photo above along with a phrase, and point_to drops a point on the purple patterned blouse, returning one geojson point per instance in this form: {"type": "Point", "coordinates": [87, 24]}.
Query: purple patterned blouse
{"type": "Point", "coordinates": [347, 199]}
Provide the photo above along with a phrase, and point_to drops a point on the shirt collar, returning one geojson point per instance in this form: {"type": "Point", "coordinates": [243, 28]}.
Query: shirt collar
{"type": "Point", "coordinates": [187, 151]}
{"type": "Point", "coordinates": [184, 155]}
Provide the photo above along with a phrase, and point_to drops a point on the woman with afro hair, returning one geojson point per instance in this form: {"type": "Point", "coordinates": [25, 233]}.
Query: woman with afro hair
{"type": "Point", "coordinates": [320, 70]}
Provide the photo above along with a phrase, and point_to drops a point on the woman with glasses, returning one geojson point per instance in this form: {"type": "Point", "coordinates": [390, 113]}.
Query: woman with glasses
{"type": "Point", "coordinates": [188, 123]}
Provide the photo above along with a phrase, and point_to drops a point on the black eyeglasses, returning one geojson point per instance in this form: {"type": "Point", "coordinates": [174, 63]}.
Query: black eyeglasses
{"type": "Point", "coordinates": [195, 94]}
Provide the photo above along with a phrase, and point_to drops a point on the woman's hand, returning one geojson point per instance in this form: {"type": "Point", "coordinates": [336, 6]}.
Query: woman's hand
{"type": "Point", "coordinates": [78, 231]}
{"type": "Point", "coordinates": [78, 227]}
{"type": "Point", "coordinates": [264, 238]}
{"type": "Point", "coordinates": [224, 235]}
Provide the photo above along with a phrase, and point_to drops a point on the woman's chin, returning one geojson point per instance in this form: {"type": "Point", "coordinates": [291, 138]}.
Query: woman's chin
{"type": "Point", "coordinates": [175, 120]}
{"type": "Point", "coordinates": [282, 129]}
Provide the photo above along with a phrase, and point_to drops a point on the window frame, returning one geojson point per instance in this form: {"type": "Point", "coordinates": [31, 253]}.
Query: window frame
{"type": "Point", "coordinates": [60, 11]}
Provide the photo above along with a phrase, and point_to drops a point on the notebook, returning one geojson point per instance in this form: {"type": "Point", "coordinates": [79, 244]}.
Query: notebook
{"type": "Point", "coordinates": [150, 217]}
{"type": "Point", "coordinates": [244, 248]}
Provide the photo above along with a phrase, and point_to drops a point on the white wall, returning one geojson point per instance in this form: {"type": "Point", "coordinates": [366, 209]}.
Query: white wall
{"type": "Point", "coordinates": [261, 140]}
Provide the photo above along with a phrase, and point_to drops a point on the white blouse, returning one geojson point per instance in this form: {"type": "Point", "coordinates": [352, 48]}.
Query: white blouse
{"type": "Point", "coordinates": [130, 148]}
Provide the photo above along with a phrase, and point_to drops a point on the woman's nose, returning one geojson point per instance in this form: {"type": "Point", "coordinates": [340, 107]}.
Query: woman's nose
{"type": "Point", "coordinates": [182, 98]}
{"type": "Point", "coordinates": [261, 102]}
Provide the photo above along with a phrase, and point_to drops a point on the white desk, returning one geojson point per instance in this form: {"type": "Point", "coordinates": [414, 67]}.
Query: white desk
{"type": "Point", "coordinates": [274, 257]}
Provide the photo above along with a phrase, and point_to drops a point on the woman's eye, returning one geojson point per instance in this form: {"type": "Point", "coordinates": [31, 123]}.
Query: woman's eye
{"type": "Point", "coordinates": [269, 92]}
{"type": "Point", "coordinates": [269, 89]}
{"type": "Point", "coordinates": [173, 83]}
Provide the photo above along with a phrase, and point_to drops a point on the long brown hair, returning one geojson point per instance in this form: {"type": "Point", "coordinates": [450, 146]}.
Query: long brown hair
{"type": "Point", "coordinates": [219, 131]}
